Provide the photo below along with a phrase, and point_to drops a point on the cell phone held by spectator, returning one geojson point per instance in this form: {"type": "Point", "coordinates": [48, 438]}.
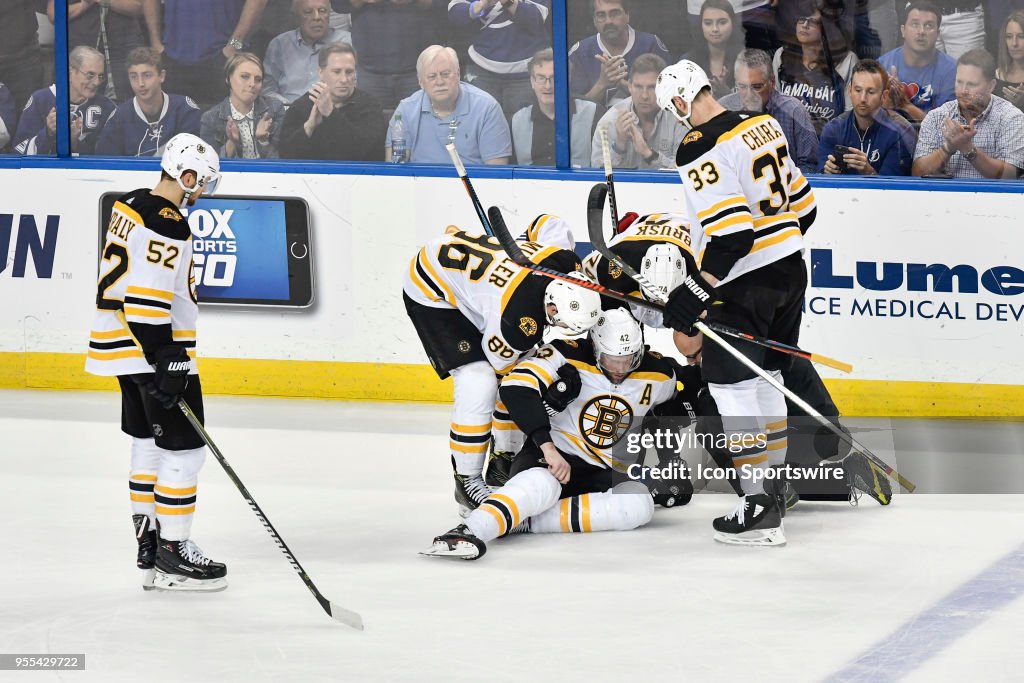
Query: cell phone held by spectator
{"type": "Point", "coordinates": [837, 153]}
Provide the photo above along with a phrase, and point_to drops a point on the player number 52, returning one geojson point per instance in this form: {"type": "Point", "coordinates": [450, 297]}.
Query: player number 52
{"type": "Point", "coordinates": [164, 254]}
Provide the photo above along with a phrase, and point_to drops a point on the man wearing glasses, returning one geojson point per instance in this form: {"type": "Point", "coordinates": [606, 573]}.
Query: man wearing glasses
{"type": "Point", "coordinates": [445, 110]}
{"type": "Point", "coordinates": [37, 129]}
{"type": "Point", "coordinates": [755, 91]}
{"type": "Point", "coordinates": [291, 67]}
{"type": "Point", "coordinates": [533, 126]}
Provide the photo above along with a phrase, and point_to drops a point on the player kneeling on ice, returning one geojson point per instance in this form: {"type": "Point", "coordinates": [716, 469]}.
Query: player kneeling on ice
{"type": "Point", "coordinates": [476, 313]}
{"type": "Point", "coordinates": [575, 400]}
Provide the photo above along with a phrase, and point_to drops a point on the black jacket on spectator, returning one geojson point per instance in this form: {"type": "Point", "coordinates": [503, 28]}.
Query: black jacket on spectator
{"type": "Point", "coordinates": [353, 133]}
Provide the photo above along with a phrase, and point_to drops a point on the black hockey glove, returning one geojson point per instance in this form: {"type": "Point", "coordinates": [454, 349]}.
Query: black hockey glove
{"type": "Point", "coordinates": [676, 490]}
{"type": "Point", "coordinates": [686, 303]}
{"type": "Point", "coordinates": [171, 376]}
{"type": "Point", "coordinates": [563, 390]}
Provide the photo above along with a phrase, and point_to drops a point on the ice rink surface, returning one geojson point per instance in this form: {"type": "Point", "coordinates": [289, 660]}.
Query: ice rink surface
{"type": "Point", "coordinates": [924, 590]}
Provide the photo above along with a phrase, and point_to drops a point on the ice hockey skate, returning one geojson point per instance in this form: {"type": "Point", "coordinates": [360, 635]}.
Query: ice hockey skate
{"type": "Point", "coordinates": [470, 491]}
{"type": "Point", "coordinates": [864, 475]}
{"type": "Point", "coordinates": [755, 521]}
{"type": "Point", "coordinates": [182, 566]}
{"type": "Point", "coordinates": [499, 464]}
{"type": "Point", "coordinates": [459, 543]}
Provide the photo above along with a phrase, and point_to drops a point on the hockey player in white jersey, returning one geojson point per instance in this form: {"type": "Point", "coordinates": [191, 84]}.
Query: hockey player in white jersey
{"type": "Point", "coordinates": [564, 479]}
{"type": "Point", "coordinates": [749, 208]}
{"type": "Point", "coordinates": [144, 333]}
{"type": "Point", "coordinates": [476, 313]}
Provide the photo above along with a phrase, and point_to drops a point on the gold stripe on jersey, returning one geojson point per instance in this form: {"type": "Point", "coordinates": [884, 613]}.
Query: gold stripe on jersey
{"type": "Point", "coordinates": [779, 238]}
{"type": "Point", "coordinates": [522, 378]}
{"type": "Point", "coordinates": [650, 376]}
{"type": "Point", "coordinates": [416, 280]}
{"type": "Point", "coordinates": [432, 279]}
{"type": "Point", "coordinates": [129, 212]}
{"type": "Point", "coordinates": [744, 127]}
{"type": "Point", "coordinates": [727, 203]}
{"type": "Point", "coordinates": [518, 278]}
{"type": "Point", "coordinates": [115, 355]}
{"type": "Point", "coordinates": [136, 312]}
{"type": "Point", "coordinates": [533, 233]}
{"type": "Point", "coordinates": [150, 293]}
{"type": "Point", "coordinates": [543, 374]}
{"type": "Point", "coordinates": [109, 334]}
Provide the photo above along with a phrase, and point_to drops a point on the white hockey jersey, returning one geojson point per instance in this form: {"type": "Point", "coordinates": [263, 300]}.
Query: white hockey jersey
{"type": "Point", "coordinates": [146, 294]}
{"type": "Point", "coordinates": [631, 245]}
{"type": "Point", "coordinates": [738, 175]}
{"type": "Point", "coordinates": [504, 302]}
{"type": "Point", "coordinates": [602, 413]}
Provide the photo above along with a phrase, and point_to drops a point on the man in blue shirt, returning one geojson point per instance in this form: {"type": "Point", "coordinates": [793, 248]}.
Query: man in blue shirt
{"type": "Point", "coordinates": [599, 65]}
{"type": "Point", "coordinates": [876, 142]}
{"type": "Point", "coordinates": [921, 77]}
{"type": "Point", "coordinates": [291, 65]}
{"type": "Point", "coordinates": [446, 110]}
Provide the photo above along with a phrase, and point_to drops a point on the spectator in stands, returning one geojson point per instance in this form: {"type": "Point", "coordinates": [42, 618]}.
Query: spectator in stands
{"type": "Point", "coordinates": [292, 63]}
{"type": "Point", "coordinates": [8, 119]}
{"type": "Point", "coordinates": [1010, 74]}
{"type": "Point", "coordinates": [533, 126]}
{"type": "Point", "coordinates": [600, 64]}
{"type": "Point", "coordinates": [962, 27]}
{"type": "Point", "coordinates": [755, 91]}
{"type": "Point", "coordinates": [754, 25]}
{"type": "Point", "coordinates": [723, 40]}
{"type": "Point", "coordinates": [977, 135]}
{"type": "Point", "coordinates": [640, 134]}
{"type": "Point", "coordinates": [876, 142]}
{"type": "Point", "coordinates": [335, 120]}
{"type": "Point", "coordinates": [111, 26]}
{"type": "Point", "coordinates": [247, 124]}
{"type": "Point", "coordinates": [21, 63]}
{"type": "Point", "coordinates": [816, 67]}
{"type": "Point", "coordinates": [197, 38]}
{"type": "Point", "coordinates": [388, 36]}
{"type": "Point", "coordinates": [37, 127]}
{"type": "Point", "coordinates": [445, 110]}
{"type": "Point", "coordinates": [142, 126]}
{"type": "Point", "coordinates": [508, 33]}
{"type": "Point", "coordinates": [921, 77]}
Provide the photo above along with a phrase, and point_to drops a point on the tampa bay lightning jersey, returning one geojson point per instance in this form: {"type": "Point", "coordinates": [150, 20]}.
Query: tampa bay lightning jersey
{"type": "Point", "coordinates": [130, 133]}
{"type": "Point", "coordinates": [32, 137]}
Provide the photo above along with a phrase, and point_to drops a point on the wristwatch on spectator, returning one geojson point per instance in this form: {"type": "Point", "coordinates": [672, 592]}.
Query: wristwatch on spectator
{"type": "Point", "coordinates": [972, 155]}
{"type": "Point", "coordinates": [236, 43]}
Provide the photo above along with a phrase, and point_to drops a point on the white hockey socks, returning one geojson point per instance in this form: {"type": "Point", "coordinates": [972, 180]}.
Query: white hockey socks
{"type": "Point", "coordinates": [175, 492]}
{"type": "Point", "coordinates": [626, 506]}
{"type": "Point", "coordinates": [476, 389]}
{"type": "Point", "coordinates": [525, 495]}
{"type": "Point", "coordinates": [142, 477]}
{"type": "Point", "coordinates": [772, 405]}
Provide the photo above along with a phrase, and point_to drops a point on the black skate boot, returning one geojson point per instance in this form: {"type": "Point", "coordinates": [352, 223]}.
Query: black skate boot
{"type": "Point", "coordinates": [499, 464]}
{"type": "Point", "coordinates": [459, 543]}
{"type": "Point", "coordinates": [756, 520]}
{"type": "Point", "coordinates": [864, 475]}
{"type": "Point", "coordinates": [146, 537]}
{"type": "Point", "coordinates": [470, 491]}
{"type": "Point", "coordinates": [182, 566]}
{"type": "Point", "coordinates": [780, 487]}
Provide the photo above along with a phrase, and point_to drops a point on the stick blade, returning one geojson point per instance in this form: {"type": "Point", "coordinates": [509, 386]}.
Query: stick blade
{"type": "Point", "coordinates": [595, 215]}
{"type": "Point", "coordinates": [345, 616]}
{"type": "Point", "coordinates": [508, 243]}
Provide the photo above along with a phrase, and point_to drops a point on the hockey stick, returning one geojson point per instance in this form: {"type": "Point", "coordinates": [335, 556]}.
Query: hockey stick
{"type": "Point", "coordinates": [464, 177]}
{"type": "Point", "coordinates": [595, 211]}
{"type": "Point", "coordinates": [345, 616]}
{"type": "Point", "coordinates": [609, 179]}
{"type": "Point", "coordinates": [516, 254]}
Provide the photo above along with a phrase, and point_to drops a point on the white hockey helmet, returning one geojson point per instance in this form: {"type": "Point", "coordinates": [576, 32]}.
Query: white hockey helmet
{"type": "Point", "coordinates": [664, 267]}
{"type": "Point", "coordinates": [618, 343]}
{"type": "Point", "coordinates": [685, 80]}
{"type": "Point", "coordinates": [187, 152]}
{"type": "Point", "coordinates": [577, 307]}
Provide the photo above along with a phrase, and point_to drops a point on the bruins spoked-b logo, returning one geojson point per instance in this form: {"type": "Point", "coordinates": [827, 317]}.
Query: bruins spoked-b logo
{"type": "Point", "coordinates": [528, 325]}
{"type": "Point", "coordinates": [464, 346]}
{"type": "Point", "coordinates": [604, 420]}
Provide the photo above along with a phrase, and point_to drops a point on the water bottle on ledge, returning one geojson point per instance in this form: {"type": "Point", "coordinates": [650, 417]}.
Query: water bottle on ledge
{"type": "Point", "coordinates": [398, 149]}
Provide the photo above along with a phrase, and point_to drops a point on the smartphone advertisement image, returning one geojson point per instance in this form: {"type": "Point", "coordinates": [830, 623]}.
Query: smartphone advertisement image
{"type": "Point", "coordinates": [247, 251]}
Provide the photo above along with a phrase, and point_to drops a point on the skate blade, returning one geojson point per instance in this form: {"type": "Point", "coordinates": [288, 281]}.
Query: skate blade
{"type": "Point", "coordinates": [754, 537]}
{"type": "Point", "coordinates": [147, 579]}
{"type": "Point", "coordinates": [879, 492]}
{"type": "Point", "coordinates": [464, 511]}
{"type": "Point", "coordinates": [461, 551]}
{"type": "Point", "coordinates": [173, 583]}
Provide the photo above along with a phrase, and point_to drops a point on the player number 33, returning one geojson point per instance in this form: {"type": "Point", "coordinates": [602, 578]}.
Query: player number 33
{"type": "Point", "coordinates": [707, 175]}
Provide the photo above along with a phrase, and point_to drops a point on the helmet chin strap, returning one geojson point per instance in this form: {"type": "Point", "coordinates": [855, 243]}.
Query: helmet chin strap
{"type": "Point", "coordinates": [682, 118]}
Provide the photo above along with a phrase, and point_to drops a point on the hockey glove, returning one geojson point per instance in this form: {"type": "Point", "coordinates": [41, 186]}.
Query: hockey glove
{"type": "Point", "coordinates": [171, 376]}
{"type": "Point", "coordinates": [563, 390]}
{"type": "Point", "coordinates": [687, 302]}
{"type": "Point", "coordinates": [674, 491]}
